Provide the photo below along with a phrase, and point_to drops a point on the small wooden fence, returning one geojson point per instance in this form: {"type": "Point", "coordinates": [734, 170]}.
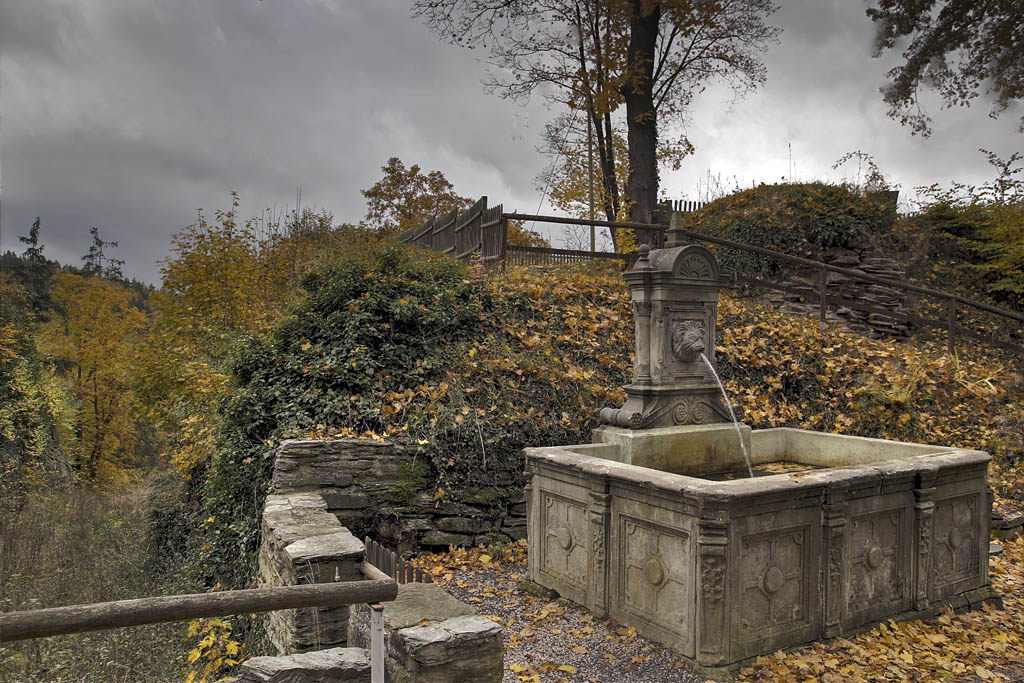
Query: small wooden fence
{"type": "Point", "coordinates": [479, 230]}
{"type": "Point", "coordinates": [392, 566]}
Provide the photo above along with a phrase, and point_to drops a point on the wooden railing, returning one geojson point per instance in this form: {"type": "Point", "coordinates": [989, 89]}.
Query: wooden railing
{"type": "Point", "coordinates": [949, 300]}
{"type": "Point", "coordinates": [54, 621]}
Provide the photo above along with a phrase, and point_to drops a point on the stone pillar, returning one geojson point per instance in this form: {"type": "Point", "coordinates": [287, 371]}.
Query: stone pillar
{"type": "Point", "coordinates": [642, 369]}
{"type": "Point", "coordinates": [712, 588]}
{"type": "Point", "coordinates": [835, 547]}
{"type": "Point", "coordinates": [599, 518]}
{"type": "Point", "coordinates": [924, 511]}
{"type": "Point", "coordinates": [675, 300]}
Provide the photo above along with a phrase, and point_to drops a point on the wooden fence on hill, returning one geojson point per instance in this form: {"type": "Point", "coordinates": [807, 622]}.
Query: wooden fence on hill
{"type": "Point", "coordinates": [478, 230]}
{"type": "Point", "coordinates": [485, 231]}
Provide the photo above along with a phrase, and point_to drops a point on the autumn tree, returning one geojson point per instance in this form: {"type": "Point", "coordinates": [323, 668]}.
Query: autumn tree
{"type": "Point", "coordinates": [93, 335]}
{"type": "Point", "coordinates": [653, 56]}
{"type": "Point", "coordinates": [226, 278]}
{"type": "Point", "coordinates": [955, 47]}
{"type": "Point", "coordinates": [34, 404]}
{"type": "Point", "coordinates": [406, 197]}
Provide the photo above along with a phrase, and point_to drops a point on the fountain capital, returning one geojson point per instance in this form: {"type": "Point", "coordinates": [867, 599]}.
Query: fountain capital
{"type": "Point", "coordinates": [675, 293]}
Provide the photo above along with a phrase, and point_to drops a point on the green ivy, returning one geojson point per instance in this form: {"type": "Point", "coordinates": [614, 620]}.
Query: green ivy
{"type": "Point", "coordinates": [801, 219]}
{"type": "Point", "coordinates": [368, 326]}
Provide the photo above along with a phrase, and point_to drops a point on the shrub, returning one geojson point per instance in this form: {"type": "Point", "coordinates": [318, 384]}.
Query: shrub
{"type": "Point", "coordinates": [801, 219]}
{"type": "Point", "coordinates": [972, 237]}
{"type": "Point", "coordinates": [368, 329]}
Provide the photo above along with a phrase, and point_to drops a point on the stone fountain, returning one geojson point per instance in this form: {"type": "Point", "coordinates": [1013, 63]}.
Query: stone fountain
{"type": "Point", "coordinates": [639, 527]}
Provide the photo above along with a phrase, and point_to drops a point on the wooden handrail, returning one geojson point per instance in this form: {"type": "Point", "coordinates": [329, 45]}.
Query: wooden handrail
{"type": "Point", "coordinates": [78, 618]}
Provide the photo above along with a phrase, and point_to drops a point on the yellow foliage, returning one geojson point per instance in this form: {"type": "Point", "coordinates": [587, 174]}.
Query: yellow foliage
{"type": "Point", "coordinates": [94, 334]}
{"type": "Point", "coordinates": [215, 654]}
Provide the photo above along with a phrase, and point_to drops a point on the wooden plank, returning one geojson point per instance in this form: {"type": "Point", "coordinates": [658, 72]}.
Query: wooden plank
{"type": "Point", "coordinates": [583, 255]}
{"type": "Point", "coordinates": [78, 618]}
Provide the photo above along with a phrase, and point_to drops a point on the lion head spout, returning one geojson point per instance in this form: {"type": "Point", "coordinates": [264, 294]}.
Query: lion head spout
{"type": "Point", "coordinates": [688, 340]}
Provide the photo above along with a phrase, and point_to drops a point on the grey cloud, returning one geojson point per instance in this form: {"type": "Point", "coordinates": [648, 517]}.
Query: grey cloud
{"type": "Point", "coordinates": [129, 115]}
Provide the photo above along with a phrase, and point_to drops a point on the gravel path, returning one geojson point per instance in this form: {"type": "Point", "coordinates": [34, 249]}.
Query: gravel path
{"type": "Point", "coordinates": [547, 641]}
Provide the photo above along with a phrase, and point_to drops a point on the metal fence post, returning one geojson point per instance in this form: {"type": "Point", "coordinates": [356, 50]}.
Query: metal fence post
{"type": "Point", "coordinates": [376, 643]}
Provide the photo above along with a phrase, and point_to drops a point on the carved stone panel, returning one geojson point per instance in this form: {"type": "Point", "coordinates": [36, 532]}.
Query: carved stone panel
{"type": "Point", "coordinates": [688, 332]}
{"type": "Point", "coordinates": [955, 547]}
{"type": "Point", "coordinates": [655, 580]}
{"type": "Point", "coordinates": [774, 582]}
{"type": "Point", "coordinates": [566, 540]}
{"type": "Point", "coordinates": [878, 565]}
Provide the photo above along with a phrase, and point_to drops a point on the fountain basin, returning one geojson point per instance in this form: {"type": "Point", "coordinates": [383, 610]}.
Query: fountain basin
{"type": "Point", "coordinates": [721, 571]}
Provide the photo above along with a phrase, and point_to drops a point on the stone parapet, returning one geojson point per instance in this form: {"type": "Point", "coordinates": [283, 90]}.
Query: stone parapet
{"type": "Point", "coordinates": [304, 543]}
{"type": "Point", "coordinates": [382, 489]}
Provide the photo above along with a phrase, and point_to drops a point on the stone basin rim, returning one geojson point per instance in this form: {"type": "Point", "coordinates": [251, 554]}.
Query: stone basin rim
{"type": "Point", "coordinates": [906, 467]}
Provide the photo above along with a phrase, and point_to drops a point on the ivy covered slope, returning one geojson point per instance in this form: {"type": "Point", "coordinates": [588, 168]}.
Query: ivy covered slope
{"type": "Point", "coordinates": [800, 219]}
{"type": "Point", "coordinates": [416, 348]}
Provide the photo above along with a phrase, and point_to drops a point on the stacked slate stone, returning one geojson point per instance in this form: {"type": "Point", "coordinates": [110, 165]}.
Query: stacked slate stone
{"type": "Point", "coordinates": [371, 488]}
{"type": "Point", "coordinates": [803, 300]}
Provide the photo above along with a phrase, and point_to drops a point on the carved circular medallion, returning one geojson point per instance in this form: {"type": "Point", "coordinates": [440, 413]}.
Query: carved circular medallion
{"type": "Point", "coordinates": [773, 580]}
{"type": "Point", "coordinates": [956, 538]}
{"type": "Point", "coordinates": [565, 537]}
{"type": "Point", "coordinates": [654, 571]}
{"type": "Point", "coordinates": [700, 412]}
{"type": "Point", "coordinates": [681, 413]}
{"type": "Point", "coordinates": [873, 557]}
{"type": "Point", "coordinates": [636, 420]}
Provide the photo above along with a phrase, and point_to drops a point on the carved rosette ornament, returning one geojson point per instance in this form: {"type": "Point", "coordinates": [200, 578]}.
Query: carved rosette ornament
{"type": "Point", "coordinates": [675, 304]}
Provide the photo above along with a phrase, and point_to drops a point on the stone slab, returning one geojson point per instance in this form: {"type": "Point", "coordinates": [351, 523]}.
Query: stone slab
{"type": "Point", "coordinates": [349, 664]}
{"type": "Point", "coordinates": [337, 546]}
{"type": "Point", "coordinates": [418, 601]}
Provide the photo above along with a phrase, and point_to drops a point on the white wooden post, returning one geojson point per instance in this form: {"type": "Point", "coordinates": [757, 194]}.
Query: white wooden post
{"type": "Point", "coordinates": [376, 643]}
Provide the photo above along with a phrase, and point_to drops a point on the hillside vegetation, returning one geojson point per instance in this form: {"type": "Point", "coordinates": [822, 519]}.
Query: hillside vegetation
{"type": "Point", "coordinates": [416, 348]}
{"type": "Point", "coordinates": [799, 219]}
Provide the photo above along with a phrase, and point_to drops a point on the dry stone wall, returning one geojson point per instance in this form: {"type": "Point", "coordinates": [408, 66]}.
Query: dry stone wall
{"type": "Point", "coordinates": [804, 301]}
{"type": "Point", "coordinates": [303, 543]}
{"type": "Point", "coordinates": [385, 490]}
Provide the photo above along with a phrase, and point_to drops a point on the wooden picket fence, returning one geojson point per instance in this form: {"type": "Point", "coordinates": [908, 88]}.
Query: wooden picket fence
{"type": "Point", "coordinates": [391, 565]}
{"type": "Point", "coordinates": [479, 230]}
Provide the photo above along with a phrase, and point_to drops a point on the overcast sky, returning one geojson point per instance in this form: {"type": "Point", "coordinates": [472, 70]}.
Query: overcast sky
{"type": "Point", "coordinates": [130, 114]}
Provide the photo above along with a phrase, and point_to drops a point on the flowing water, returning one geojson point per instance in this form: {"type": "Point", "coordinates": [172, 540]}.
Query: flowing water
{"type": "Point", "coordinates": [732, 413]}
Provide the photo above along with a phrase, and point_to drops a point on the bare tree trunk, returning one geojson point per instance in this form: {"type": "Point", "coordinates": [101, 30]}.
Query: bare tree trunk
{"type": "Point", "coordinates": [641, 117]}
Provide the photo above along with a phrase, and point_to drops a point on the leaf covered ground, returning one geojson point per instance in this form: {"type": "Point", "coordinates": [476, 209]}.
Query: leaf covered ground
{"type": "Point", "coordinates": [556, 641]}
